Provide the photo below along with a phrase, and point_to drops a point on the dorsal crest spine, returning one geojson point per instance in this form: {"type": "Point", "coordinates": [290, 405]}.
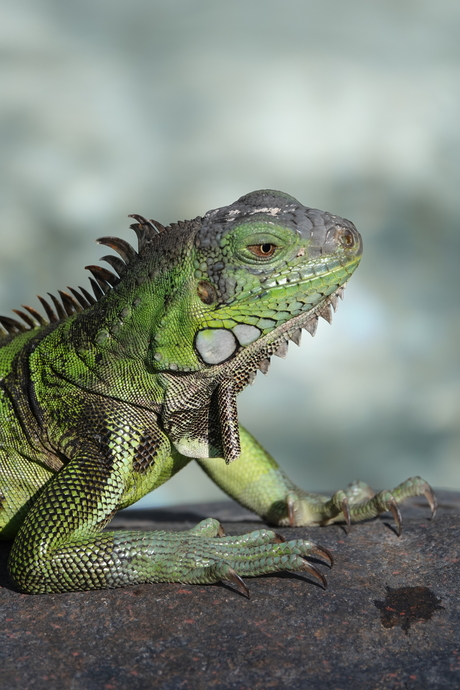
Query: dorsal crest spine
{"type": "Point", "coordinates": [102, 280]}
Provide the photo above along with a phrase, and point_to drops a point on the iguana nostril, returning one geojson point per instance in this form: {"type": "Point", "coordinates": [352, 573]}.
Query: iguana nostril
{"type": "Point", "coordinates": [345, 237]}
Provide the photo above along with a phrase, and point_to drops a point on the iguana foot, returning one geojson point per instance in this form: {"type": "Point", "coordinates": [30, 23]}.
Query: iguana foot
{"type": "Point", "coordinates": [357, 502]}
{"type": "Point", "coordinates": [203, 555]}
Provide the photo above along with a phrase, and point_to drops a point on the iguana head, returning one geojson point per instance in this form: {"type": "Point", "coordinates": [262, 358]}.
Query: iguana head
{"type": "Point", "coordinates": [257, 271]}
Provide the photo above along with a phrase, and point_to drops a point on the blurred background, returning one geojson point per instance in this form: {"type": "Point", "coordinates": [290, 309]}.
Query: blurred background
{"type": "Point", "coordinates": [171, 107]}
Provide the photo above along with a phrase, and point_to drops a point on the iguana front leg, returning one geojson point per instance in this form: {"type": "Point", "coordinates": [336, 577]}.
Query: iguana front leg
{"type": "Point", "coordinates": [256, 481]}
{"type": "Point", "coordinates": [60, 546]}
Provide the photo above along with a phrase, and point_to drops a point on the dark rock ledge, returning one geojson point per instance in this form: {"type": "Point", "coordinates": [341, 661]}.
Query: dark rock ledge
{"type": "Point", "coordinates": [389, 620]}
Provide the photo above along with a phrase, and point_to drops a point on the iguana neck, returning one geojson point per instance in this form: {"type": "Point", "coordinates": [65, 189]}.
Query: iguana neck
{"type": "Point", "coordinates": [145, 318]}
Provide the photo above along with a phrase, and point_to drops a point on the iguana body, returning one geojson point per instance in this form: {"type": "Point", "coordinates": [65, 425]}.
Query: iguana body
{"type": "Point", "coordinates": [110, 397]}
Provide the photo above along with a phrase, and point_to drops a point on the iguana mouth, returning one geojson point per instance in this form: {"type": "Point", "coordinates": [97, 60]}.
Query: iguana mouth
{"type": "Point", "coordinates": [292, 329]}
{"type": "Point", "coordinates": [243, 366]}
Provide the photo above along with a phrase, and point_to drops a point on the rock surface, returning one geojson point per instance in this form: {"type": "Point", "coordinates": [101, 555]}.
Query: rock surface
{"type": "Point", "coordinates": [389, 619]}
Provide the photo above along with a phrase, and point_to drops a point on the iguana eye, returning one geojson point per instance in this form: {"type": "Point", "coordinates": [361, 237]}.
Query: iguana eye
{"type": "Point", "coordinates": [264, 251]}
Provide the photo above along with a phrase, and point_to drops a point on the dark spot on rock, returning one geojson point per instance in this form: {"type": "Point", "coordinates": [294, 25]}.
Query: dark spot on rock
{"type": "Point", "coordinates": [407, 605]}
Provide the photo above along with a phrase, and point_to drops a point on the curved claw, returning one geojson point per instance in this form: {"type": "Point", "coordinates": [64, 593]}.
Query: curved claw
{"type": "Point", "coordinates": [220, 532]}
{"type": "Point", "coordinates": [309, 568]}
{"type": "Point", "coordinates": [290, 504]}
{"type": "Point", "coordinates": [346, 514]}
{"type": "Point", "coordinates": [393, 508]}
{"type": "Point", "coordinates": [239, 583]}
{"type": "Point", "coordinates": [432, 500]}
{"type": "Point", "coordinates": [322, 551]}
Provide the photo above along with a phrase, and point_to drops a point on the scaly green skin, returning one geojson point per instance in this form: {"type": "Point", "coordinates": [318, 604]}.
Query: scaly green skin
{"type": "Point", "coordinates": [104, 404]}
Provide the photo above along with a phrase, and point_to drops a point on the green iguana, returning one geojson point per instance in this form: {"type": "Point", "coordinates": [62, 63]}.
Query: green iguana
{"type": "Point", "coordinates": [111, 395]}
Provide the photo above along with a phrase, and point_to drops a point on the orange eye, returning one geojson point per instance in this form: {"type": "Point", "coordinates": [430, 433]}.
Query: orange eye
{"type": "Point", "coordinates": [262, 250]}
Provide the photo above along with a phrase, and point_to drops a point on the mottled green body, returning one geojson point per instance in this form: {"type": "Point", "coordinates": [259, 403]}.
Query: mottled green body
{"type": "Point", "coordinates": [112, 397]}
